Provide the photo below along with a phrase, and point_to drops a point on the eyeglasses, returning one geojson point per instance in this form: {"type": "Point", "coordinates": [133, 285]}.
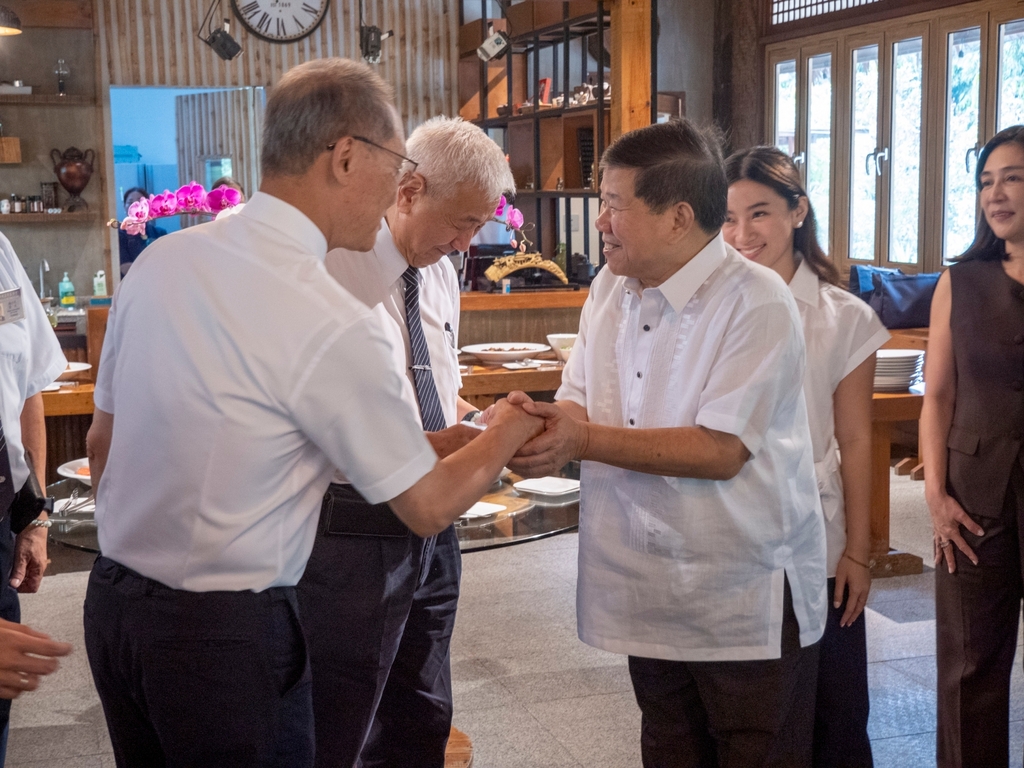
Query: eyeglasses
{"type": "Point", "coordinates": [403, 158]}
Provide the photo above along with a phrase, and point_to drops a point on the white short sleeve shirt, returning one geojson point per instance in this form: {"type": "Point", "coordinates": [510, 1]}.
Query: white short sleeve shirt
{"type": "Point", "coordinates": [240, 374]}
{"type": "Point", "coordinates": [841, 331]}
{"type": "Point", "coordinates": [30, 358]}
{"type": "Point", "coordinates": [686, 569]}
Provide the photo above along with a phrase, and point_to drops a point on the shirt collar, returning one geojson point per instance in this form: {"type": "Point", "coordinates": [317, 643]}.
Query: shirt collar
{"type": "Point", "coordinates": [681, 286]}
{"type": "Point", "coordinates": [288, 220]}
{"type": "Point", "coordinates": [804, 284]}
{"type": "Point", "coordinates": [392, 262]}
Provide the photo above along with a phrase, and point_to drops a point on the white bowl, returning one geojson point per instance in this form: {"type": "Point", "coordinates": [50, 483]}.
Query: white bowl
{"type": "Point", "coordinates": [562, 344]}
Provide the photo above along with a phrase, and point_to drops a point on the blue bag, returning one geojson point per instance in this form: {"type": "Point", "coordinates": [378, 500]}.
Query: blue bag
{"type": "Point", "coordinates": [903, 301]}
{"type": "Point", "coordinates": [862, 280]}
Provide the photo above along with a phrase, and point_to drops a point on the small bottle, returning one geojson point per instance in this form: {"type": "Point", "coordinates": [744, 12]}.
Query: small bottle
{"type": "Point", "coordinates": [67, 293]}
{"type": "Point", "coordinates": [99, 284]}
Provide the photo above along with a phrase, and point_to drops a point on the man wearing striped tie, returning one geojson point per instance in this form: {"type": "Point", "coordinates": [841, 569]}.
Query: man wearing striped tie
{"type": "Point", "coordinates": [378, 602]}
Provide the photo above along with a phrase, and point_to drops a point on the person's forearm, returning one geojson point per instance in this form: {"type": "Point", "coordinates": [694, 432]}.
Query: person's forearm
{"type": "Point", "coordinates": [463, 407]}
{"type": "Point", "coordinates": [459, 480]}
{"type": "Point", "coordinates": [936, 419]}
{"type": "Point", "coordinates": [694, 452]}
{"type": "Point", "coordinates": [856, 473]}
{"type": "Point", "coordinates": [97, 444]}
{"type": "Point", "coordinates": [33, 435]}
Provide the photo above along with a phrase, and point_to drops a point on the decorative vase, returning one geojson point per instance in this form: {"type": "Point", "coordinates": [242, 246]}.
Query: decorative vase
{"type": "Point", "coordinates": [73, 169]}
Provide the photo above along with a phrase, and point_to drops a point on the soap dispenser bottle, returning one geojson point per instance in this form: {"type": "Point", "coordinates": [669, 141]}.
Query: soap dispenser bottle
{"type": "Point", "coordinates": [67, 293]}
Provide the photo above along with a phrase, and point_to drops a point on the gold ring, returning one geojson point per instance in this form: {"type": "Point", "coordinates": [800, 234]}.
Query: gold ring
{"type": "Point", "coordinates": [945, 544]}
{"type": "Point", "coordinates": [22, 678]}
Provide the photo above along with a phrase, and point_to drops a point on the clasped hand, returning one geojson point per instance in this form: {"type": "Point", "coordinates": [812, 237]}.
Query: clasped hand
{"type": "Point", "coordinates": [560, 439]}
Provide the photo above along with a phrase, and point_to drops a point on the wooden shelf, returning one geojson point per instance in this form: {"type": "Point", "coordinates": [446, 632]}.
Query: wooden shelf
{"type": "Point", "coordinates": [47, 218]}
{"type": "Point", "coordinates": [46, 100]}
{"type": "Point", "coordinates": [478, 301]}
{"type": "Point", "coordinates": [541, 114]}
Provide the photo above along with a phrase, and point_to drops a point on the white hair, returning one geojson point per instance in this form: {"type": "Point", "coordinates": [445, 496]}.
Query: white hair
{"type": "Point", "coordinates": [451, 152]}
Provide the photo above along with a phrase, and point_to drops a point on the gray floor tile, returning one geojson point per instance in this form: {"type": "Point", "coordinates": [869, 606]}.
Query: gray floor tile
{"type": "Point", "coordinates": [511, 737]}
{"type": "Point", "coordinates": [55, 743]}
{"type": "Point", "coordinates": [915, 751]}
{"type": "Point", "coordinates": [569, 684]}
{"type": "Point", "coordinates": [616, 744]}
{"type": "Point", "coordinates": [88, 761]}
{"type": "Point", "coordinates": [900, 705]}
{"type": "Point", "coordinates": [474, 688]}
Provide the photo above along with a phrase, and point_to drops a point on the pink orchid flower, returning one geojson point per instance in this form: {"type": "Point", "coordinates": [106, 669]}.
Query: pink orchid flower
{"type": "Point", "coordinates": [191, 197]}
{"type": "Point", "coordinates": [138, 215]}
{"type": "Point", "coordinates": [515, 218]}
{"type": "Point", "coordinates": [501, 208]}
{"type": "Point", "coordinates": [222, 198]}
{"type": "Point", "coordinates": [165, 204]}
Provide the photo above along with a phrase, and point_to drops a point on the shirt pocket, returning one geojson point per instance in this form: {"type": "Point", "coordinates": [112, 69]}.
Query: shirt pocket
{"type": "Point", "coordinates": [963, 440]}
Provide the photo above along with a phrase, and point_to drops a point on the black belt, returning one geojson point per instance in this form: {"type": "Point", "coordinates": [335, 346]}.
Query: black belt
{"type": "Point", "coordinates": [346, 513]}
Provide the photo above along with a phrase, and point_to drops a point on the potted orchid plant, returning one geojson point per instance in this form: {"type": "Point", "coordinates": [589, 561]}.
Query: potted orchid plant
{"type": "Point", "coordinates": [512, 218]}
{"type": "Point", "coordinates": [191, 199]}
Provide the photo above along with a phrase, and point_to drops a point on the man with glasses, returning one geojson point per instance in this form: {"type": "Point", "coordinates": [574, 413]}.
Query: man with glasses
{"type": "Point", "coordinates": [382, 678]}
{"type": "Point", "coordinates": [236, 374]}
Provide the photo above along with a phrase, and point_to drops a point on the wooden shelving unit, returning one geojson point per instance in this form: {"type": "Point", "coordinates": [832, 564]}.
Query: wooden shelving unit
{"type": "Point", "coordinates": [46, 100]}
{"type": "Point", "coordinates": [562, 40]}
{"type": "Point", "coordinates": [78, 217]}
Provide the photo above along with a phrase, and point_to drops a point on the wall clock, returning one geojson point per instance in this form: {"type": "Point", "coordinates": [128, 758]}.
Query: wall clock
{"type": "Point", "coordinates": [280, 21]}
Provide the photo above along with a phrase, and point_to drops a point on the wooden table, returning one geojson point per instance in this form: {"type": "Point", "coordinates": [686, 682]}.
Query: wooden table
{"type": "Point", "coordinates": [69, 401]}
{"type": "Point", "coordinates": [887, 408]}
{"type": "Point", "coordinates": [483, 384]}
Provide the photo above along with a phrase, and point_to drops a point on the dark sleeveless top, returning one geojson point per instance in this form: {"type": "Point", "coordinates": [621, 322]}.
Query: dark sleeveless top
{"type": "Point", "coordinates": [987, 324]}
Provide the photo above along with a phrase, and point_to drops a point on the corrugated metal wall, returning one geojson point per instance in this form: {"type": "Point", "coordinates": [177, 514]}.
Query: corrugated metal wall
{"type": "Point", "coordinates": [220, 124]}
{"type": "Point", "coordinates": [153, 42]}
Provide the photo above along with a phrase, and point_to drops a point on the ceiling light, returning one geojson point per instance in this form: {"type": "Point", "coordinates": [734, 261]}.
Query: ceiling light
{"type": "Point", "coordinates": [10, 24]}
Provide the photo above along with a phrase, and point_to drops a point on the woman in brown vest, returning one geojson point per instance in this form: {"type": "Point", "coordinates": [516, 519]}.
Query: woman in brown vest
{"type": "Point", "coordinates": [971, 431]}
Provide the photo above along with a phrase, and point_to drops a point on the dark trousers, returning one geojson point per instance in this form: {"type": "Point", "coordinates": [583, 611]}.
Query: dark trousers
{"type": "Point", "coordinates": [842, 705]}
{"type": "Point", "coordinates": [10, 610]}
{"type": "Point", "coordinates": [729, 714]}
{"type": "Point", "coordinates": [198, 679]}
{"type": "Point", "coordinates": [379, 612]}
{"type": "Point", "coordinates": [977, 609]}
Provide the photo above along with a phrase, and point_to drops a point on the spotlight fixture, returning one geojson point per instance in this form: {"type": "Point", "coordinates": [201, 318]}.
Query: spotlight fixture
{"type": "Point", "coordinates": [497, 43]}
{"type": "Point", "coordinates": [370, 39]}
{"type": "Point", "coordinates": [219, 39]}
{"type": "Point", "coordinates": [10, 24]}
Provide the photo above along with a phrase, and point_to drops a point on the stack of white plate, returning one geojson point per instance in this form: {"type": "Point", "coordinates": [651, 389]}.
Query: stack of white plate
{"type": "Point", "coordinates": [897, 369]}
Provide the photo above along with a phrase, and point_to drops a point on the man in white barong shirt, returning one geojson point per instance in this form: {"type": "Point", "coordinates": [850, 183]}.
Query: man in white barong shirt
{"type": "Point", "coordinates": [702, 547]}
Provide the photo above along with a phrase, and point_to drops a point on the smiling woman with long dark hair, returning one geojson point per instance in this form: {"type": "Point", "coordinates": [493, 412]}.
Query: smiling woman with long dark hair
{"type": "Point", "coordinates": [972, 425]}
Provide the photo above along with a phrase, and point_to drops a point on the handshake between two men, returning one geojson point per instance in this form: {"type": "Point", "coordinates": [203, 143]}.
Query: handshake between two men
{"type": "Point", "coordinates": [560, 436]}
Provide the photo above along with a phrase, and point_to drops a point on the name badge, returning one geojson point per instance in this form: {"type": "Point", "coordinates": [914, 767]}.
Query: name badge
{"type": "Point", "coordinates": [11, 308]}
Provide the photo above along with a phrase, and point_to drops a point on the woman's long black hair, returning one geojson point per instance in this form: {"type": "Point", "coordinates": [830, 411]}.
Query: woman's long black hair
{"type": "Point", "coordinates": [986, 246]}
{"type": "Point", "coordinates": [774, 169]}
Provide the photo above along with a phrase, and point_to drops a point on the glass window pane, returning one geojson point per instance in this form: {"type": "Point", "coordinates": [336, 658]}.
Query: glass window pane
{"type": "Point", "coordinates": [1011, 75]}
{"type": "Point", "coordinates": [819, 140]}
{"type": "Point", "coordinates": [963, 92]}
{"type": "Point", "coordinates": [785, 106]}
{"type": "Point", "coordinates": [905, 152]}
{"type": "Point", "coordinates": [865, 144]}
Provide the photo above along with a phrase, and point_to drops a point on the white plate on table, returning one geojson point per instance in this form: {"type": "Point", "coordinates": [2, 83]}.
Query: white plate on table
{"type": "Point", "coordinates": [548, 486]}
{"type": "Point", "coordinates": [59, 504]}
{"type": "Point", "coordinates": [505, 352]}
{"type": "Point", "coordinates": [52, 387]}
{"type": "Point", "coordinates": [482, 509]}
{"type": "Point", "coordinates": [75, 368]}
{"type": "Point", "coordinates": [71, 470]}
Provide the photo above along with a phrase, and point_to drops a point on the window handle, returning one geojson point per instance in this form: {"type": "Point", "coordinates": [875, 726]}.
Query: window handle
{"type": "Point", "coordinates": [881, 155]}
{"type": "Point", "coordinates": [800, 159]}
{"type": "Point", "coordinates": [967, 157]}
{"type": "Point", "coordinates": [869, 161]}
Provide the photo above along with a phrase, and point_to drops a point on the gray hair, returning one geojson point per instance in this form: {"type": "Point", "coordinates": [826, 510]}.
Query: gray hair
{"type": "Point", "coordinates": [451, 152]}
{"type": "Point", "coordinates": [318, 103]}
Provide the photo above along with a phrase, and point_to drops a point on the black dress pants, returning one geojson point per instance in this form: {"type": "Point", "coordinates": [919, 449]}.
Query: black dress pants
{"type": "Point", "coordinates": [729, 714]}
{"type": "Point", "coordinates": [379, 612]}
{"type": "Point", "coordinates": [198, 679]}
{"type": "Point", "coordinates": [842, 706]}
{"type": "Point", "coordinates": [977, 610]}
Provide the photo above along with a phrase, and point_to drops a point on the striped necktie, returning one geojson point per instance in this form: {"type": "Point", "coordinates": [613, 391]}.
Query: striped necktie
{"type": "Point", "coordinates": [422, 376]}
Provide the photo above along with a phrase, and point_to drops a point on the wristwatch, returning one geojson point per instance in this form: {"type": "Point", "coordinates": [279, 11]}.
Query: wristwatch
{"type": "Point", "coordinates": [472, 416]}
{"type": "Point", "coordinates": [37, 523]}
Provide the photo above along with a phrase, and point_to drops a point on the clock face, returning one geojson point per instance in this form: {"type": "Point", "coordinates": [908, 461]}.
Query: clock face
{"type": "Point", "coordinates": [280, 21]}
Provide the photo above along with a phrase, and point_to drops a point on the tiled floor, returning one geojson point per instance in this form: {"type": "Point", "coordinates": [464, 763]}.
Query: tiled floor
{"type": "Point", "coordinates": [526, 690]}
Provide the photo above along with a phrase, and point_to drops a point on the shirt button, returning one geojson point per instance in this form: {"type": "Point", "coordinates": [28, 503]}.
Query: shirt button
{"type": "Point", "coordinates": [647, 327]}
{"type": "Point", "coordinates": [631, 422]}
{"type": "Point", "coordinates": [639, 375]}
